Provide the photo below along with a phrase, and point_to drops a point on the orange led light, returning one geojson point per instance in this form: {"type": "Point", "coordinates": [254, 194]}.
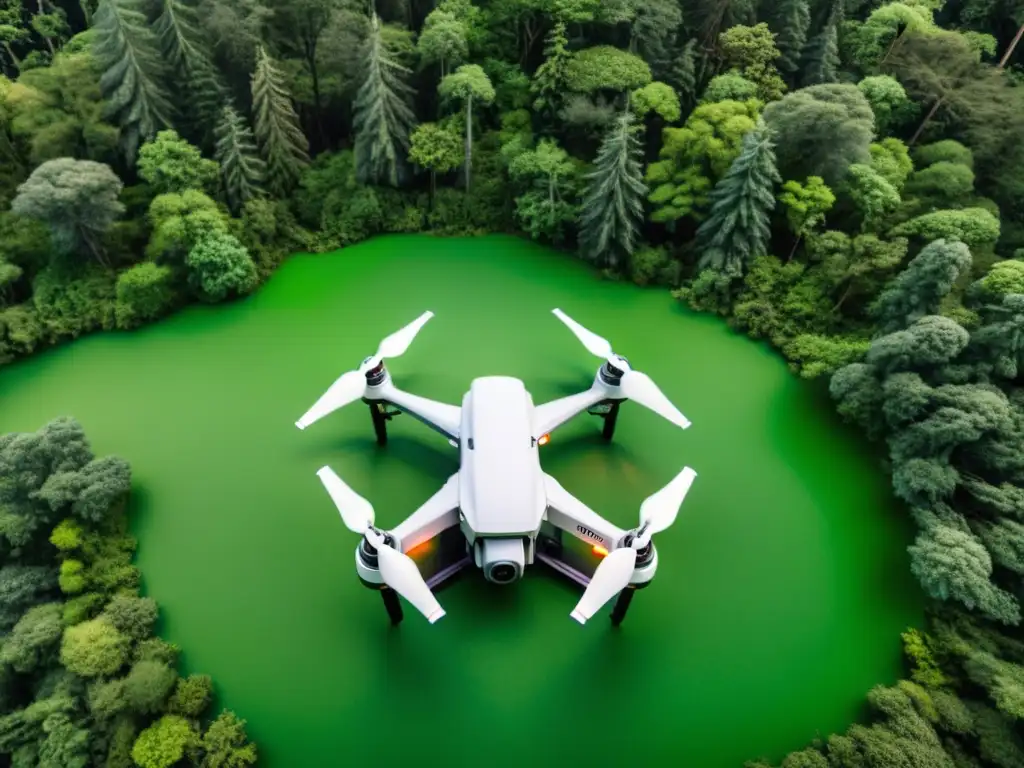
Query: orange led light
{"type": "Point", "coordinates": [600, 551]}
{"type": "Point", "coordinates": [544, 439]}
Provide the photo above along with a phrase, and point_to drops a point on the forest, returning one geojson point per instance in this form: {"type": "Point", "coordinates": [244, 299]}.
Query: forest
{"type": "Point", "coordinates": [840, 178]}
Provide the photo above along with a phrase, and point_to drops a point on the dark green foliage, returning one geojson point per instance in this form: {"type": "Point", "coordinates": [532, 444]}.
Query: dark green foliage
{"type": "Point", "coordinates": [144, 293]}
{"type": "Point", "coordinates": [242, 169]}
{"type": "Point", "coordinates": [791, 21]}
{"type": "Point", "coordinates": [282, 143]}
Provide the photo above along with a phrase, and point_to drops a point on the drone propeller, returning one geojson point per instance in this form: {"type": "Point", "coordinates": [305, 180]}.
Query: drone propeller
{"type": "Point", "coordinates": [658, 512]}
{"type": "Point", "coordinates": [397, 569]}
{"type": "Point", "coordinates": [635, 385]}
{"type": "Point", "coordinates": [351, 386]}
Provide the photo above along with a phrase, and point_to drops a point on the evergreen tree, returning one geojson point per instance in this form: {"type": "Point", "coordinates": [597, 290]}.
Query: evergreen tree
{"type": "Point", "coordinates": [738, 226]}
{"type": "Point", "coordinates": [134, 76]}
{"type": "Point", "coordinates": [613, 206]}
{"type": "Point", "coordinates": [821, 53]}
{"type": "Point", "coordinates": [383, 116]}
{"type": "Point", "coordinates": [181, 44]}
{"type": "Point", "coordinates": [281, 141]}
{"type": "Point", "coordinates": [242, 169]}
{"type": "Point", "coordinates": [791, 23]}
{"type": "Point", "coordinates": [550, 78]}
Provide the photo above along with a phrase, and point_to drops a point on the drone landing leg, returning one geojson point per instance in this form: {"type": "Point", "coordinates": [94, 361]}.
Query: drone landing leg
{"type": "Point", "coordinates": [609, 421]}
{"type": "Point", "coordinates": [379, 417]}
{"type": "Point", "coordinates": [622, 605]}
{"type": "Point", "coordinates": [394, 607]}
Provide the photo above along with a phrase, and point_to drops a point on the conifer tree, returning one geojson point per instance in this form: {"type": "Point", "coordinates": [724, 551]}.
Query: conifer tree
{"type": "Point", "coordinates": [791, 23]}
{"type": "Point", "coordinates": [383, 116]}
{"type": "Point", "coordinates": [242, 169]}
{"type": "Point", "coordinates": [181, 44]}
{"type": "Point", "coordinates": [281, 140]}
{"type": "Point", "coordinates": [613, 206]}
{"type": "Point", "coordinates": [550, 78]}
{"type": "Point", "coordinates": [134, 76]}
{"type": "Point", "coordinates": [738, 226]}
{"type": "Point", "coordinates": [821, 53]}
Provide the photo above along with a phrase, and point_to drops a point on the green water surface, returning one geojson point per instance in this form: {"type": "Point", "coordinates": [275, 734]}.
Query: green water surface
{"type": "Point", "coordinates": [781, 590]}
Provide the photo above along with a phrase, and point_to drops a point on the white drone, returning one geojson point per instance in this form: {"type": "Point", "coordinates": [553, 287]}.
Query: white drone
{"type": "Point", "coordinates": [501, 511]}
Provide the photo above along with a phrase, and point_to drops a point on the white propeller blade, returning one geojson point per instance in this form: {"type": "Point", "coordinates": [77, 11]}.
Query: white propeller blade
{"type": "Point", "coordinates": [347, 389]}
{"type": "Point", "coordinates": [639, 388]}
{"type": "Point", "coordinates": [401, 574]}
{"type": "Point", "coordinates": [660, 509]}
{"type": "Point", "coordinates": [594, 343]}
{"type": "Point", "coordinates": [352, 385]}
{"type": "Point", "coordinates": [356, 512]}
{"type": "Point", "coordinates": [611, 577]}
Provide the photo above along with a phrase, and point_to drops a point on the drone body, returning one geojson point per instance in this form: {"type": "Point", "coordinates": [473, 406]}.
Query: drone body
{"type": "Point", "coordinates": [507, 512]}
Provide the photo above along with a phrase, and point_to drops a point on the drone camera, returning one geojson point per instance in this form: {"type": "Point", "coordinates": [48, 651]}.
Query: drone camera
{"type": "Point", "coordinates": [502, 559]}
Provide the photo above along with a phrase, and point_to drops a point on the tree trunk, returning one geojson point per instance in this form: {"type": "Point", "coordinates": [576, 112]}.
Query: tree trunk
{"type": "Point", "coordinates": [1013, 44]}
{"type": "Point", "coordinates": [844, 297]}
{"type": "Point", "coordinates": [14, 57]}
{"type": "Point", "coordinates": [793, 249]}
{"type": "Point", "coordinates": [469, 138]}
{"type": "Point", "coordinates": [931, 113]}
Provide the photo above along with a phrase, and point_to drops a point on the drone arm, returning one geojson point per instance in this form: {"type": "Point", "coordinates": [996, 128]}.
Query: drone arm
{"type": "Point", "coordinates": [570, 514]}
{"type": "Point", "coordinates": [548, 416]}
{"type": "Point", "coordinates": [440, 417]}
{"type": "Point", "coordinates": [438, 513]}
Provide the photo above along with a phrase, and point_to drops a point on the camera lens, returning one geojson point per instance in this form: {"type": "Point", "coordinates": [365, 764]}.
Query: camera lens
{"type": "Point", "coordinates": [503, 573]}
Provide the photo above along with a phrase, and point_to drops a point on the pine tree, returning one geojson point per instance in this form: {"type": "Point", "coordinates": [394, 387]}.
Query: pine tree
{"type": "Point", "coordinates": [241, 167]}
{"type": "Point", "coordinates": [738, 226]}
{"type": "Point", "coordinates": [821, 53]}
{"type": "Point", "coordinates": [181, 44]}
{"type": "Point", "coordinates": [791, 24]}
{"type": "Point", "coordinates": [383, 117]}
{"type": "Point", "coordinates": [613, 207]}
{"type": "Point", "coordinates": [281, 140]}
{"type": "Point", "coordinates": [134, 76]}
{"type": "Point", "coordinates": [549, 80]}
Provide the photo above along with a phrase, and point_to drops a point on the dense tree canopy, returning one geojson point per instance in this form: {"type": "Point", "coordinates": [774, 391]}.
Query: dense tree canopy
{"type": "Point", "coordinates": [842, 179]}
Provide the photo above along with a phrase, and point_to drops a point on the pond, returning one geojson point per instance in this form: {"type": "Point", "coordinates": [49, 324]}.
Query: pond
{"type": "Point", "coordinates": [781, 591]}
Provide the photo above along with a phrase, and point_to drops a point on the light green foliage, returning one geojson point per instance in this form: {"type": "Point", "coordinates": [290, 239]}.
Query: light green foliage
{"type": "Point", "coordinates": [821, 131]}
{"type": "Point", "coordinates": [1003, 279]}
{"type": "Point", "coordinates": [613, 206]}
{"type": "Point", "coordinates": [851, 267]}
{"type": "Point", "coordinates": [918, 290]}
{"type": "Point", "coordinates": [873, 40]}
{"type": "Point", "coordinates": [58, 111]}
{"type": "Point", "coordinates": [134, 77]}
{"type": "Point", "coordinates": [729, 87]}
{"type": "Point", "coordinates": [436, 148]}
{"type": "Point", "coordinates": [548, 206]}
{"type": "Point", "coordinates": [791, 22]}
{"type": "Point", "coordinates": [890, 159]}
{"type": "Point", "coordinates": [242, 169]}
{"type": "Point", "coordinates": [144, 293]}
{"type": "Point", "coordinates": [604, 67]}
{"type": "Point", "coordinates": [925, 669]}
{"type": "Point", "coordinates": [76, 199]}
{"type": "Point", "coordinates": [692, 158]}
{"type": "Point", "coordinates": [873, 195]}
{"type": "Point", "coordinates": [34, 638]}
{"type": "Point", "coordinates": [812, 355]}
{"type": "Point", "coordinates": [67, 535]}
{"type": "Point", "coordinates": [219, 267]}
{"type": "Point", "coordinates": [806, 204]}
{"type": "Point", "coordinates": [467, 84]}
{"type": "Point", "coordinates": [974, 226]}
{"type": "Point", "coordinates": [442, 40]}
{"type": "Point", "coordinates": [93, 648]}
{"type": "Point", "coordinates": [225, 744]}
{"type": "Point", "coordinates": [180, 222]}
{"type": "Point", "coordinates": [148, 685]}
{"type": "Point", "coordinates": [383, 116]}
{"type": "Point", "coordinates": [656, 97]}
{"type": "Point", "coordinates": [752, 52]}
{"type": "Point", "coordinates": [282, 143]}
{"type": "Point", "coordinates": [889, 102]}
{"type": "Point", "coordinates": [947, 150]}
{"type": "Point", "coordinates": [551, 79]}
{"type": "Point", "coordinates": [737, 227]}
{"type": "Point", "coordinates": [191, 697]}
{"type": "Point", "coordinates": [71, 581]}
{"type": "Point", "coordinates": [169, 164]}
{"type": "Point", "coordinates": [164, 743]}
{"type": "Point", "coordinates": [942, 185]}
{"type": "Point", "coordinates": [954, 565]}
